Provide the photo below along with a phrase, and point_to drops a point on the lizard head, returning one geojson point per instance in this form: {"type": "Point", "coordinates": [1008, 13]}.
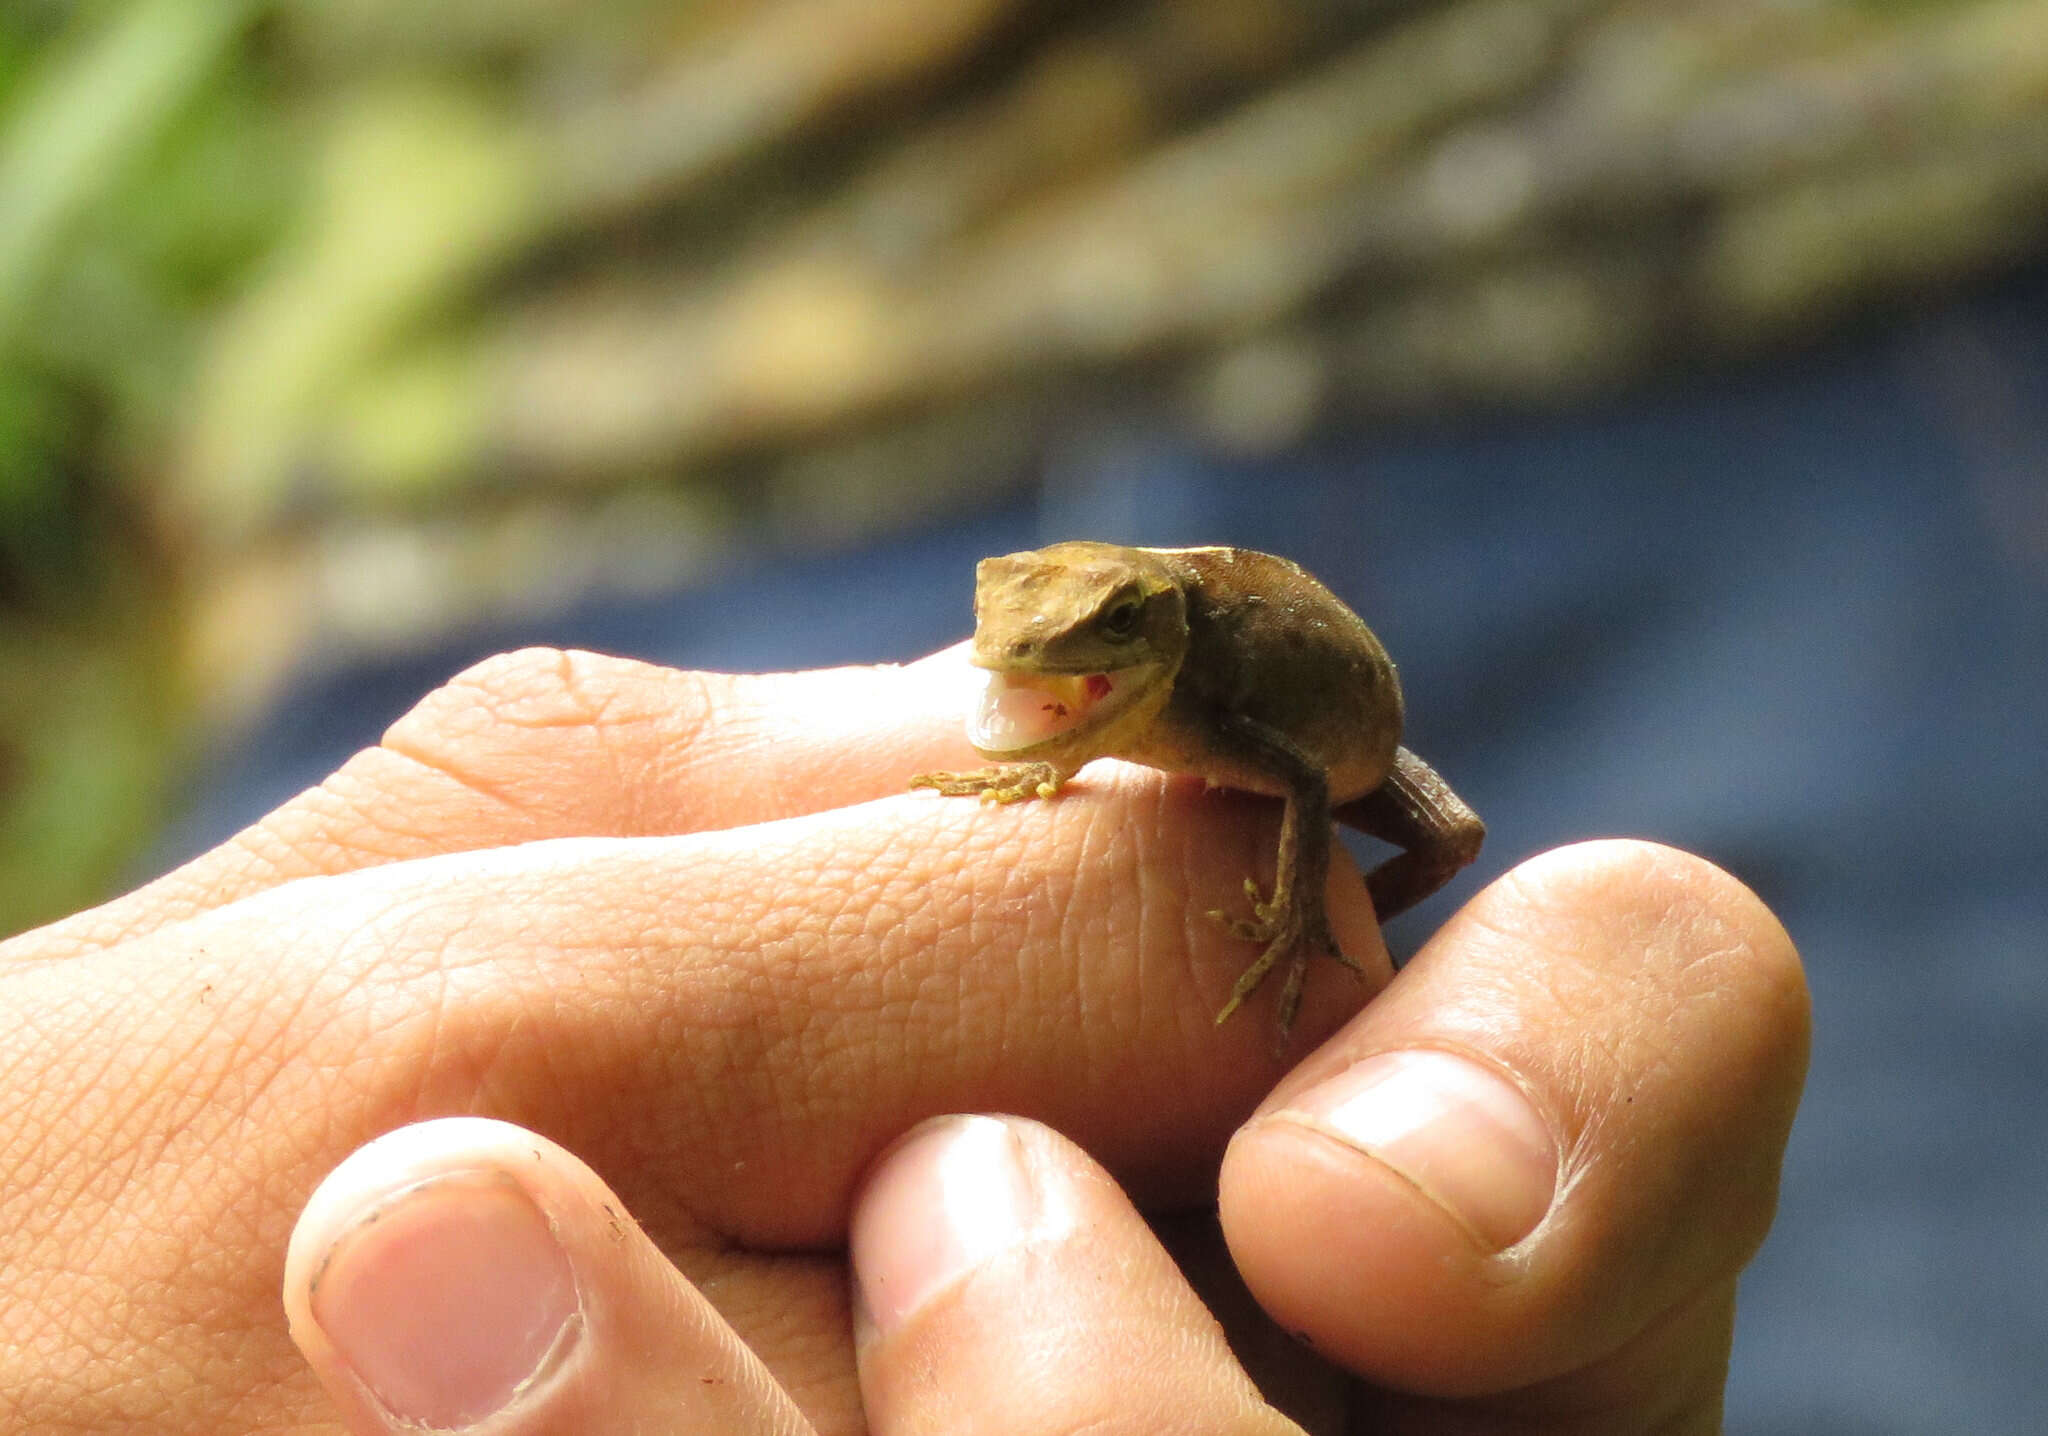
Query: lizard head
{"type": "Point", "coordinates": [1077, 638]}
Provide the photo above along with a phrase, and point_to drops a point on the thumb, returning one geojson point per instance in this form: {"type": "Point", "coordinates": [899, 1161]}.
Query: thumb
{"type": "Point", "coordinates": [1528, 1174]}
{"type": "Point", "coordinates": [465, 1271]}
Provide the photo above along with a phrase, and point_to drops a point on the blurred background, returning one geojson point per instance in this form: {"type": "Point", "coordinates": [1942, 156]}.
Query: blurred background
{"type": "Point", "coordinates": [1667, 382]}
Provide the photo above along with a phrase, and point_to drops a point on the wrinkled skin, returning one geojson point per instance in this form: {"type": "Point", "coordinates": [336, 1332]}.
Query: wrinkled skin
{"type": "Point", "coordinates": [718, 971]}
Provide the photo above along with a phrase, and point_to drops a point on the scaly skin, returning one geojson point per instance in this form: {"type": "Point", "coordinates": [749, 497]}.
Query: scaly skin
{"type": "Point", "coordinates": [1232, 666]}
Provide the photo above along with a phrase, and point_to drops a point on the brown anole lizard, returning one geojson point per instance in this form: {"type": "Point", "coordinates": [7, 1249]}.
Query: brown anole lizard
{"type": "Point", "coordinates": [1235, 667]}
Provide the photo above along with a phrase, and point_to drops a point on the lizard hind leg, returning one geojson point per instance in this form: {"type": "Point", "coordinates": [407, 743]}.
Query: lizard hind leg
{"type": "Point", "coordinates": [1292, 923]}
{"type": "Point", "coordinates": [1292, 928]}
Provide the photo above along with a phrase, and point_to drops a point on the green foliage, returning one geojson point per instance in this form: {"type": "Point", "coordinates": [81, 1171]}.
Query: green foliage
{"type": "Point", "coordinates": [136, 181]}
{"type": "Point", "coordinates": [506, 288]}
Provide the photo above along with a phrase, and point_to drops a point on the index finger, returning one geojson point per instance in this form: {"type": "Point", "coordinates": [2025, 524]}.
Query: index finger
{"type": "Point", "coordinates": [550, 743]}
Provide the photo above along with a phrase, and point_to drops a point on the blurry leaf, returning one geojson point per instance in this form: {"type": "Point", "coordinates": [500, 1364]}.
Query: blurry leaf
{"type": "Point", "coordinates": [420, 187]}
{"type": "Point", "coordinates": [86, 725]}
{"type": "Point", "coordinates": [387, 33]}
{"type": "Point", "coordinates": [776, 69]}
{"type": "Point", "coordinates": [1803, 252]}
{"type": "Point", "coordinates": [405, 425]}
{"type": "Point", "coordinates": [87, 110]}
{"type": "Point", "coordinates": [38, 424]}
{"type": "Point", "coordinates": [221, 181]}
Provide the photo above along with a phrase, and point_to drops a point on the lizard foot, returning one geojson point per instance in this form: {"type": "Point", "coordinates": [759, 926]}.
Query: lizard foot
{"type": "Point", "coordinates": [1005, 783]}
{"type": "Point", "coordinates": [1287, 932]}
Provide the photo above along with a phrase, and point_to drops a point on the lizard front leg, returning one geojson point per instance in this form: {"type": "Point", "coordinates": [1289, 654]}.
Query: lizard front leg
{"type": "Point", "coordinates": [1001, 783]}
{"type": "Point", "coordinates": [1292, 923]}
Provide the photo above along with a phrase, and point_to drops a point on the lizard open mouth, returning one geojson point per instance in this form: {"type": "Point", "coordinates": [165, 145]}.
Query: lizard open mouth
{"type": "Point", "coordinates": [1022, 710]}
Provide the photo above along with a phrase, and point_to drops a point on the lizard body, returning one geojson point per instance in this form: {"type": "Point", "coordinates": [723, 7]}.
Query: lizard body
{"type": "Point", "coordinates": [1229, 665]}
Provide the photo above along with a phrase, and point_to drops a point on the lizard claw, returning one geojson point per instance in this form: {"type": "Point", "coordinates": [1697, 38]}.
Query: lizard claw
{"type": "Point", "coordinates": [1289, 933]}
{"type": "Point", "coordinates": [1259, 927]}
{"type": "Point", "coordinates": [1238, 927]}
{"type": "Point", "coordinates": [1266, 923]}
{"type": "Point", "coordinates": [1008, 783]}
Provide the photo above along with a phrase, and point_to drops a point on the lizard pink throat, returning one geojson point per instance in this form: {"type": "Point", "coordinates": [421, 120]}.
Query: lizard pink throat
{"type": "Point", "coordinates": [1022, 710]}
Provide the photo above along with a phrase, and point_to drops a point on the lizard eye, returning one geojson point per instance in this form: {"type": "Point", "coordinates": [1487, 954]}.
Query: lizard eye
{"type": "Point", "coordinates": [1120, 619]}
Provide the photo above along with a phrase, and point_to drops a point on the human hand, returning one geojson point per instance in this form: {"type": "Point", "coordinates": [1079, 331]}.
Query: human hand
{"type": "Point", "coordinates": [732, 1023]}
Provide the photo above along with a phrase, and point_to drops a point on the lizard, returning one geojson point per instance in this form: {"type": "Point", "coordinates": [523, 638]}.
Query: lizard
{"type": "Point", "coordinates": [1228, 665]}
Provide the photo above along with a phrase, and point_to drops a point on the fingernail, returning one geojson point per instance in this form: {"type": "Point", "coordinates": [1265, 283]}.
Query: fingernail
{"type": "Point", "coordinates": [953, 1194]}
{"type": "Point", "coordinates": [1463, 1135]}
{"type": "Point", "coordinates": [448, 1299]}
